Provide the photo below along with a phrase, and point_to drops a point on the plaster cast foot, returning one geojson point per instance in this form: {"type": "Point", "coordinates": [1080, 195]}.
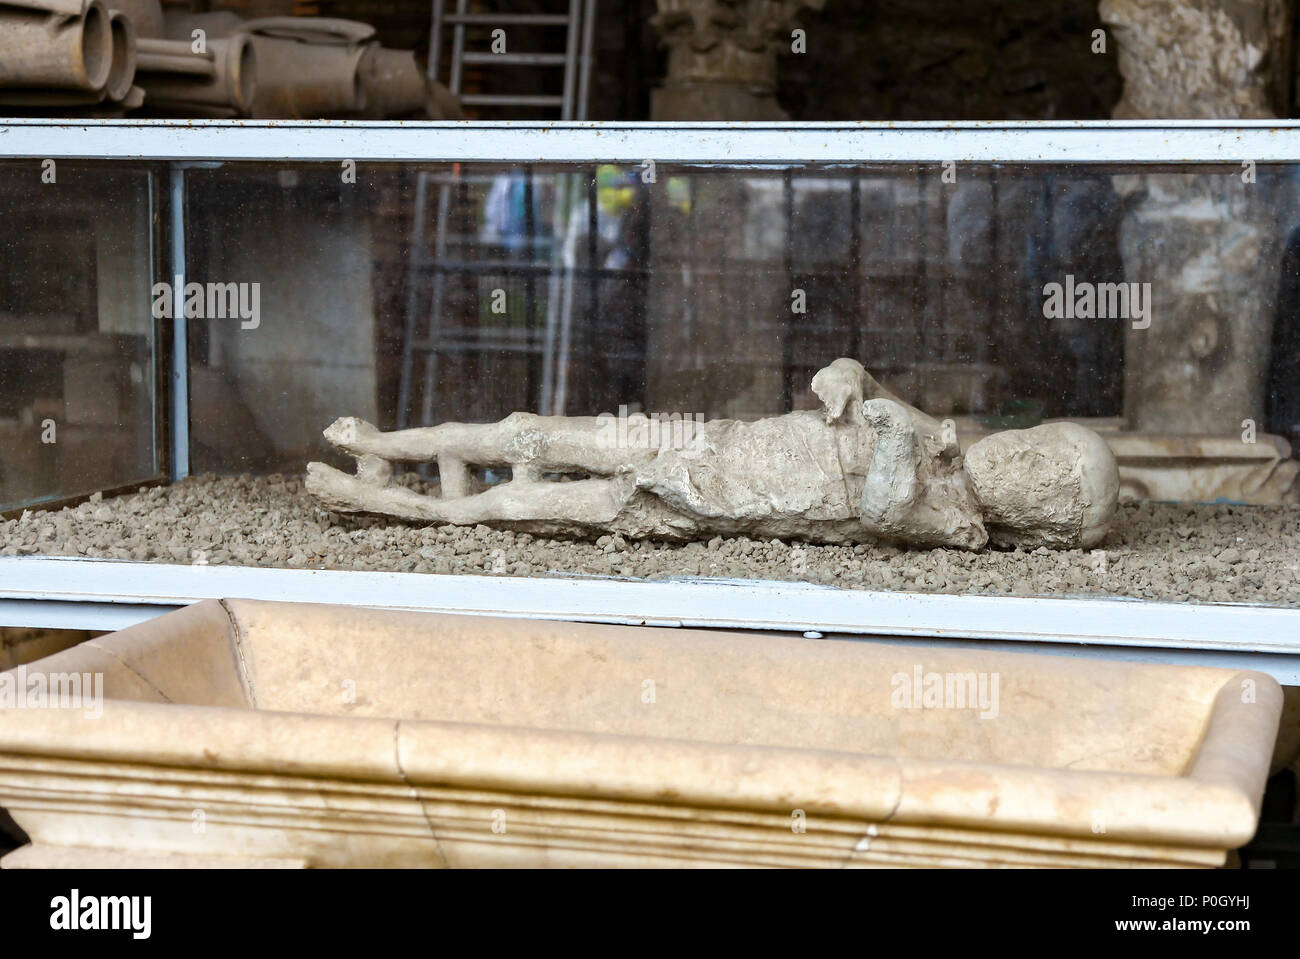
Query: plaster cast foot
{"type": "Point", "coordinates": [352, 433]}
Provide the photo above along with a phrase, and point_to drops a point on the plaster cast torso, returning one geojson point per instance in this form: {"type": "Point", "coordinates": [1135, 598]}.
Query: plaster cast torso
{"type": "Point", "coordinates": [782, 467]}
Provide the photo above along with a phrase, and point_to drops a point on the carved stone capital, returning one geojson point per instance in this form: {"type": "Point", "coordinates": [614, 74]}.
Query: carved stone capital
{"type": "Point", "coordinates": [722, 56]}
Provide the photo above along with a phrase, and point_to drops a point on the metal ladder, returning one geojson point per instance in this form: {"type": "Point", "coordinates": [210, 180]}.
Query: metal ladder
{"type": "Point", "coordinates": [579, 24]}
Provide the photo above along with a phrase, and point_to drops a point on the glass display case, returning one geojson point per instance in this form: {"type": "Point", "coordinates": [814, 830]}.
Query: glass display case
{"type": "Point", "coordinates": [224, 291]}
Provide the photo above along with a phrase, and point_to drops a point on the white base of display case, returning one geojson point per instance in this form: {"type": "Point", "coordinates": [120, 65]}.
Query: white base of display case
{"type": "Point", "coordinates": [56, 592]}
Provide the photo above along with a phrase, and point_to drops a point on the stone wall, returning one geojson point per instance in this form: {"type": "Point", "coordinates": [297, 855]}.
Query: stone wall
{"type": "Point", "coordinates": [953, 60]}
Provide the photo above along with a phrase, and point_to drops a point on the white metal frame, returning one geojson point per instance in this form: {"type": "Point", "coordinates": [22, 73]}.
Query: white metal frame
{"type": "Point", "coordinates": [104, 595]}
{"type": "Point", "coordinates": [515, 141]}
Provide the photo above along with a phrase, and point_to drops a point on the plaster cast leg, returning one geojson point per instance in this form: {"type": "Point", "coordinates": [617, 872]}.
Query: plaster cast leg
{"type": "Point", "coordinates": [420, 445]}
{"type": "Point", "coordinates": [593, 500]}
{"type": "Point", "coordinates": [530, 445]}
{"type": "Point", "coordinates": [527, 443]}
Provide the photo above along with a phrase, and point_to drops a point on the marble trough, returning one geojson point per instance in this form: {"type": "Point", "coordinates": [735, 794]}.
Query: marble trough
{"type": "Point", "coordinates": [238, 732]}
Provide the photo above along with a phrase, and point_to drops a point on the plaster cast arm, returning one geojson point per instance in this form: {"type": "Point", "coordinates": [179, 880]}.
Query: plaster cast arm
{"type": "Point", "coordinates": [915, 491]}
{"type": "Point", "coordinates": [845, 385]}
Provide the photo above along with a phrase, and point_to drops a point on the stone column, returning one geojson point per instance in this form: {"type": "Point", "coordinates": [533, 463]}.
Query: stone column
{"type": "Point", "coordinates": [722, 57]}
{"type": "Point", "coordinates": [1212, 59]}
{"type": "Point", "coordinates": [1208, 243]}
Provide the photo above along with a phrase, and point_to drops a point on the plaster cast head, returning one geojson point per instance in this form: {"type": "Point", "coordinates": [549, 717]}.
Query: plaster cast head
{"type": "Point", "coordinates": [1054, 485]}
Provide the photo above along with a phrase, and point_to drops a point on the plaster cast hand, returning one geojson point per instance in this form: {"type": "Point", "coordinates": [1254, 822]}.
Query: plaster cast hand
{"type": "Point", "coordinates": [839, 387]}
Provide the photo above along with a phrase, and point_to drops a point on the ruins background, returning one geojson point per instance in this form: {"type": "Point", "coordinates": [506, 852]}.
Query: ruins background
{"type": "Point", "coordinates": [681, 298]}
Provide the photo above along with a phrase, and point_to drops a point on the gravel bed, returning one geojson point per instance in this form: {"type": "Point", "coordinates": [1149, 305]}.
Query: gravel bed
{"type": "Point", "coordinates": [1213, 553]}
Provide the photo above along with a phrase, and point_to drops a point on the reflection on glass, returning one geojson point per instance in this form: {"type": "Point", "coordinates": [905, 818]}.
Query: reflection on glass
{"type": "Point", "coordinates": [77, 334]}
{"type": "Point", "coordinates": [1140, 301]}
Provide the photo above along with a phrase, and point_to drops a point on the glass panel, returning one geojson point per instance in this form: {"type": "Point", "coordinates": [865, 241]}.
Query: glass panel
{"type": "Point", "coordinates": [1155, 305]}
{"type": "Point", "coordinates": [78, 346]}
{"type": "Point", "coordinates": [721, 291]}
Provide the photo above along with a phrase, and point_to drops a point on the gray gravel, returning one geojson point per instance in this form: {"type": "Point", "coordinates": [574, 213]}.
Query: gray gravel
{"type": "Point", "coordinates": [1183, 553]}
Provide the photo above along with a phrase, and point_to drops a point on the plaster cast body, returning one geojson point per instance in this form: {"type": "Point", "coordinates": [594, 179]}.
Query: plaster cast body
{"type": "Point", "coordinates": [865, 467]}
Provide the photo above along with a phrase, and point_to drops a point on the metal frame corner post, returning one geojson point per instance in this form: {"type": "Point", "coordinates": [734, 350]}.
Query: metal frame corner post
{"type": "Point", "coordinates": [179, 380]}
